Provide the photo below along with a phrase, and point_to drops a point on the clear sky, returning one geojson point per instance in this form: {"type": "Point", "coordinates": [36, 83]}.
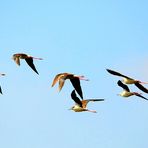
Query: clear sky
{"type": "Point", "coordinates": [83, 37]}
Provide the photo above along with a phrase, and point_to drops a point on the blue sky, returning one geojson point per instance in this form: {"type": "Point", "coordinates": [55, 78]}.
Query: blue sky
{"type": "Point", "coordinates": [82, 37]}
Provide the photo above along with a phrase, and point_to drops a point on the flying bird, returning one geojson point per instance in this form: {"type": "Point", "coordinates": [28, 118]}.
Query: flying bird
{"type": "Point", "coordinates": [27, 58]}
{"type": "Point", "coordinates": [1, 74]}
{"type": "Point", "coordinates": [80, 106]}
{"type": "Point", "coordinates": [128, 80]}
{"type": "Point", "coordinates": [126, 91]}
{"type": "Point", "coordinates": [74, 79]}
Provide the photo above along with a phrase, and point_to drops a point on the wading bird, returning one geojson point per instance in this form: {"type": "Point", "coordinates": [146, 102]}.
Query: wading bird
{"type": "Point", "coordinates": [74, 79]}
{"type": "Point", "coordinates": [1, 74]}
{"type": "Point", "coordinates": [126, 91]}
{"type": "Point", "coordinates": [27, 58]}
{"type": "Point", "coordinates": [128, 80]}
{"type": "Point", "coordinates": [80, 106]}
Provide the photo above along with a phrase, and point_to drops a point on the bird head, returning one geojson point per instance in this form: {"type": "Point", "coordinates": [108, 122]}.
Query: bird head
{"type": "Point", "coordinates": [71, 108]}
{"type": "Point", "coordinates": [118, 94]}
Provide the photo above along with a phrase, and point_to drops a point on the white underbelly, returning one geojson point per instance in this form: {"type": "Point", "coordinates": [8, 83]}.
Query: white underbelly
{"type": "Point", "coordinates": [78, 109]}
{"type": "Point", "coordinates": [128, 81]}
{"type": "Point", "coordinates": [126, 94]}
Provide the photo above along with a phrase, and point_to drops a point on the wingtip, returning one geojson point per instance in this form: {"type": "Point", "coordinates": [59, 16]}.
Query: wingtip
{"type": "Point", "coordinates": [108, 70]}
{"type": "Point", "coordinates": [100, 100]}
{"type": "Point", "coordinates": [36, 72]}
{"type": "Point", "coordinates": [3, 74]}
{"type": "Point", "coordinates": [59, 89]}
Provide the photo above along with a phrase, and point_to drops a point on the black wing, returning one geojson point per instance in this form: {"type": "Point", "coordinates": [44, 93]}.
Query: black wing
{"type": "Point", "coordinates": [117, 74]}
{"type": "Point", "coordinates": [76, 84]}
{"type": "Point", "coordinates": [95, 100]}
{"type": "Point", "coordinates": [141, 96]}
{"type": "Point", "coordinates": [30, 63]}
{"type": "Point", "coordinates": [1, 90]}
{"type": "Point", "coordinates": [125, 87]}
{"type": "Point", "coordinates": [141, 87]}
{"type": "Point", "coordinates": [75, 98]}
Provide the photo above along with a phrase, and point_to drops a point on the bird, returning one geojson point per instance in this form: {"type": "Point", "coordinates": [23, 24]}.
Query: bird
{"type": "Point", "coordinates": [74, 79]}
{"type": "Point", "coordinates": [128, 80]}
{"type": "Point", "coordinates": [1, 74]}
{"type": "Point", "coordinates": [80, 106]}
{"type": "Point", "coordinates": [126, 91]}
{"type": "Point", "coordinates": [27, 58]}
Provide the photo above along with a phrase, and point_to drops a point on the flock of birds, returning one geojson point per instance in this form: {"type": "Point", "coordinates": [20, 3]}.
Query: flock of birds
{"type": "Point", "coordinates": [80, 103]}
